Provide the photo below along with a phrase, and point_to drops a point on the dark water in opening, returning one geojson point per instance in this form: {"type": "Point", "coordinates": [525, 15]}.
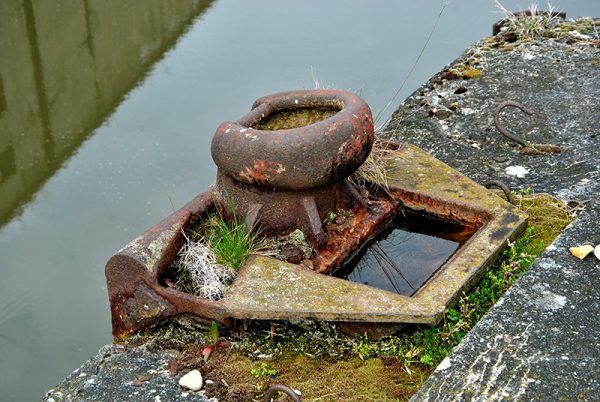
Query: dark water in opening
{"type": "Point", "coordinates": [404, 256]}
{"type": "Point", "coordinates": [107, 109]}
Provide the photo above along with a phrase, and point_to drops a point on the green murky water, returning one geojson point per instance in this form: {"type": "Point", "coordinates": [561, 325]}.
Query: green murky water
{"type": "Point", "coordinates": [107, 109]}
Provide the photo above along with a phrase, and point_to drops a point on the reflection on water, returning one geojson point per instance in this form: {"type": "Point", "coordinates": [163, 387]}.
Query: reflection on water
{"type": "Point", "coordinates": [8, 167]}
{"type": "Point", "coordinates": [405, 256]}
{"type": "Point", "coordinates": [65, 66]}
{"type": "Point", "coordinates": [402, 261]}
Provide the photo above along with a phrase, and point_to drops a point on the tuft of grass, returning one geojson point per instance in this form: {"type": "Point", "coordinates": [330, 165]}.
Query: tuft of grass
{"type": "Point", "coordinates": [231, 240]}
{"type": "Point", "coordinates": [212, 254]}
{"type": "Point", "coordinates": [373, 171]}
{"type": "Point", "coordinates": [529, 26]}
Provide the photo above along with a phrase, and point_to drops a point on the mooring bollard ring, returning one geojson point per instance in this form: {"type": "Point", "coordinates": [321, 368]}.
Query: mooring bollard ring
{"type": "Point", "coordinates": [328, 134]}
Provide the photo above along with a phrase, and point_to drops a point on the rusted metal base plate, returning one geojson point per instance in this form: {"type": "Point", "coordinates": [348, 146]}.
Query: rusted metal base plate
{"type": "Point", "coordinates": [270, 289]}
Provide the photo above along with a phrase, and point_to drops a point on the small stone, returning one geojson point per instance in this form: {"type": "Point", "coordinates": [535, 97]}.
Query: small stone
{"type": "Point", "coordinates": [173, 367]}
{"type": "Point", "coordinates": [119, 348]}
{"type": "Point", "coordinates": [518, 171]}
{"type": "Point", "coordinates": [192, 380]}
{"type": "Point", "coordinates": [292, 253]}
{"type": "Point", "coordinates": [597, 251]}
{"type": "Point", "coordinates": [582, 251]}
{"type": "Point", "coordinates": [460, 90]}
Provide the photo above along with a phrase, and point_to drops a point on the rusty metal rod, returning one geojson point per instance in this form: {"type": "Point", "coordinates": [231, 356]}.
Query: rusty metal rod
{"type": "Point", "coordinates": [504, 131]}
{"type": "Point", "coordinates": [282, 388]}
{"type": "Point", "coordinates": [503, 187]}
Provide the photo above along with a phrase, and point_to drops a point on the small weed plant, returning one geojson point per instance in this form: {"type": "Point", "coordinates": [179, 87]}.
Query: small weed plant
{"type": "Point", "coordinates": [533, 25]}
{"type": "Point", "coordinates": [231, 240]}
{"type": "Point", "coordinates": [212, 254]}
{"type": "Point", "coordinates": [263, 371]}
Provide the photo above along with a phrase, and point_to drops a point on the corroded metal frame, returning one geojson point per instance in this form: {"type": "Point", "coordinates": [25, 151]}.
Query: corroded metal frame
{"type": "Point", "coordinates": [267, 288]}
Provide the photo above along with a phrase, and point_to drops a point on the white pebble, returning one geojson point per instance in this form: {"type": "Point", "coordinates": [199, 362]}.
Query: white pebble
{"type": "Point", "coordinates": [192, 380]}
{"type": "Point", "coordinates": [518, 171]}
{"type": "Point", "coordinates": [445, 364]}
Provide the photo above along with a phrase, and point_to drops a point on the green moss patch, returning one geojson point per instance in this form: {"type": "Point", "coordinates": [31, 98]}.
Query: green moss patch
{"type": "Point", "coordinates": [315, 378]}
{"type": "Point", "coordinates": [294, 118]}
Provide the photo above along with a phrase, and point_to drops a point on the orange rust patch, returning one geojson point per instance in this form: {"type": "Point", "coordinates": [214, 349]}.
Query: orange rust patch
{"type": "Point", "coordinates": [262, 171]}
{"type": "Point", "coordinates": [341, 243]}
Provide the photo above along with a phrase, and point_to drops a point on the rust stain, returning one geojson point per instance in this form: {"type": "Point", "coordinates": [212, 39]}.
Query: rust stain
{"type": "Point", "coordinates": [343, 239]}
{"type": "Point", "coordinates": [262, 171]}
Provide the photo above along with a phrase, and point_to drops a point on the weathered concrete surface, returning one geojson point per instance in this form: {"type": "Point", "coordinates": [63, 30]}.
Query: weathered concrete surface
{"type": "Point", "coordinates": [136, 375]}
{"type": "Point", "coordinates": [541, 341]}
{"type": "Point", "coordinates": [560, 82]}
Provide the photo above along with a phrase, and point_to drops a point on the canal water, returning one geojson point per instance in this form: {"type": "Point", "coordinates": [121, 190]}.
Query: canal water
{"type": "Point", "coordinates": [107, 109]}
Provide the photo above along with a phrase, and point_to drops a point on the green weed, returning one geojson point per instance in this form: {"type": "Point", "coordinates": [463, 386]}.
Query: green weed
{"type": "Point", "coordinates": [533, 25]}
{"type": "Point", "coordinates": [214, 332]}
{"type": "Point", "coordinates": [263, 371]}
{"type": "Point", "coordinates": [232, 241]}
